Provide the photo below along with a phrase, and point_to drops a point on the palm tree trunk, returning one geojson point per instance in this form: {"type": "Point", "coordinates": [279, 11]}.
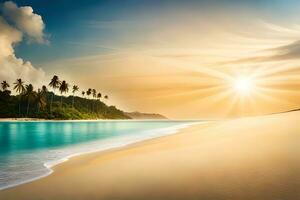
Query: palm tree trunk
{"type": "Point", "coordinates": [61, 100]}
{"type": "Point", "coordinates": [51, 102]}
{"type": "Point", "coordinates": [93, 103]}
{"type": "Point", "coordinates": [97, 106]}
{"type": "Point", "coordinates": [27, 107]}
{"type": "Point", "coordinates": [19, 105]}
{"type": "Point", "coordinates": [73, 101]}
{"type": "Point", "coordinates": [52, 96]}
{"type": "Point", "coordinates": [89, 106]}
{"type": "Point", "coordinates": [52, 99]}
{"type": "Point", "coordinates": [20, 108]}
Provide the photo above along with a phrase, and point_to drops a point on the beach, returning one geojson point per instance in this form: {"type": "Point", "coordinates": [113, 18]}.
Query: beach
{"type": "Point", "coordinates": [254, 158]}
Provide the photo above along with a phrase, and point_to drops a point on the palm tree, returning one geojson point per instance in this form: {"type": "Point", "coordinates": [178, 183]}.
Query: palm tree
{"type": "Point", "coordinates": [94, 93]}
{"type": "Point", "coordinates": [99, 95]}
{"type": "Point", "coordinates": [106, 97]}
{"type": "Point", "coordinates": [19, 87]}
{"type": "Point", "coordinates": [40, 99]}
{"type": "Point", "coordinates": [94, 96]}
{"type": "Point", "coordinates": [54, 83]}
{"type": "Point", "coordinates": [83, 93]}
{"type": "Point", "coordinates": [4, 85]}
{"type": "Point", "coordinates": [44, 89]}
{"type": "Point", "coordinates": [75, 89]}
{"type": "Point", "coordinates": [63, 88]}
{"type": "Point", "coordinates": [29, 94]}
{"type": "Point", "coordinates": [89, 92]}
{"type": "Point", "coordinates": [105, 111]}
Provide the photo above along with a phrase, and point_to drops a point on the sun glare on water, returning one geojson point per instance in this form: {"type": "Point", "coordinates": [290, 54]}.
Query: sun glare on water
{"type": "Point", "coordinates": [243, 85]}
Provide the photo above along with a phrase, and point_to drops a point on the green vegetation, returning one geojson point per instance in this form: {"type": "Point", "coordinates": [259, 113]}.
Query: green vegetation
{"type": "Point", "coordinates": [45, 104]}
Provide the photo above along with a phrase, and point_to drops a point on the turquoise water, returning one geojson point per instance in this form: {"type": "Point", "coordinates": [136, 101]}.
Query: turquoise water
{"type": "Point", "coordinates": [28, 150]}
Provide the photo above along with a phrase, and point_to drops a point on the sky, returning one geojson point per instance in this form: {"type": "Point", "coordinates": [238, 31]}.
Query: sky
{"type": "Point", "coordinates": [183, 59]}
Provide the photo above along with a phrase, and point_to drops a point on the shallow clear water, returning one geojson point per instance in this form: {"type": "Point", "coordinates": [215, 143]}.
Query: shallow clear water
{"type": "Point", "coordinates": [29, 149]}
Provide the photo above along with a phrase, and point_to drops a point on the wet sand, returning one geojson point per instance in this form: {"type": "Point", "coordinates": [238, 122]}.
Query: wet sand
{"type": "Point", "coordinates": [253, 158]}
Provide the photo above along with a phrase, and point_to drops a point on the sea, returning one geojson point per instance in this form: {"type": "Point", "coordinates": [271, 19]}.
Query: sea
{"type": "Point", "coordinates": [29, 150]}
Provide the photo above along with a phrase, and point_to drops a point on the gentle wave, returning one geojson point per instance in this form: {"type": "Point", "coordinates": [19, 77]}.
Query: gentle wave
{"type": "Point", "coordinates": [59, 156]}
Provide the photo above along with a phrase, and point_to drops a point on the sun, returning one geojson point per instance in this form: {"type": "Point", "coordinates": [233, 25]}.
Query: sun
{"type": "Point", "coordinates": [243, 85]}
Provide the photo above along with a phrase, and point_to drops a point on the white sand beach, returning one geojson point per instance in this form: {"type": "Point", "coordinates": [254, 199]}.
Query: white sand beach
{"type": "Point", "coordinates": [255, 158]}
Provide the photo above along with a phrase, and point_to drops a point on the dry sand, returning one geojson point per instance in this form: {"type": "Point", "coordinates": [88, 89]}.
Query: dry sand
{"type": "Point", "coordinates": [251, 158]}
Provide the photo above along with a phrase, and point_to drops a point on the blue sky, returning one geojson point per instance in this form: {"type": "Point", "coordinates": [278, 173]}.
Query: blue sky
{"type": "Point", "coordinates": [67, 25]}
{"type": "Point", "coordinates": [67, 21]}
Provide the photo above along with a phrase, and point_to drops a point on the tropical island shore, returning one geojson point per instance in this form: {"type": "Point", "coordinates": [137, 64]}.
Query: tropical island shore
{"type": "Point", "coordinates": [79, 120]}
{"type": "Point", "coordinates": [29, 102]}
{"type": "Point", "coordinates": [253, 158]}
{"type": "Point", "coordinates": [41, 104]}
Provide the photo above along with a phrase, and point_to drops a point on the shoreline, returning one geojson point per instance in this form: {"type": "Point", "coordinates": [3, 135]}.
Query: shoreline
{"type": "Point", "coordinates": [24, 119]}
{"type": "Point", "coordinates": [167, 132]}
{"type": "Point", "coordinates": [234, 159]}
{"type": "Point", "coordinates": [92, 120]}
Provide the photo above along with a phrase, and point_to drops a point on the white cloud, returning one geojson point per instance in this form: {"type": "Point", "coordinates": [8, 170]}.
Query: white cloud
{"type": "Point", "coordinates": [8, 37]}
{"type": "Point", "coordinates": [13, 68]}
{"type": "Point", "coordinates": [11, 34]}
{"type": "Point", "coordinates": [25, 20]}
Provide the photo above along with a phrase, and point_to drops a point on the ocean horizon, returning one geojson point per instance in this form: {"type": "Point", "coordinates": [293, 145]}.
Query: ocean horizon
{"type": "Point", "coordinates": [29, 150]}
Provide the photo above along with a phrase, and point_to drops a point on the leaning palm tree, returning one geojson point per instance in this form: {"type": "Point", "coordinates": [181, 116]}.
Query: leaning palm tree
{"type": "Point", "coordinates": [83, 93]}
{"type": "Point", "coordinates": [19, 87]}
{"type": "Point", "coordinates": [30, 95]}
{"type": "Point", "coordinates": [63, 88]}
{"type": "Point", "coordinates": [54, 83]}
{"type": "Point", "coordinates": [4, 85]}
{"type": "Point", "coordinates": [75, 89]}
{"type": "Point", "coordinates": [40, 99]}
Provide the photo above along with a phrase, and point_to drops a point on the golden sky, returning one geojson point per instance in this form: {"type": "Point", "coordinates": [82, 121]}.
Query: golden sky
{"type": "Point", "coordinates": [186, 64]}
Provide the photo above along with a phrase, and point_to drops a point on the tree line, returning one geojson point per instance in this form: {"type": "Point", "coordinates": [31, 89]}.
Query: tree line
{"type": "Point", "coordinates": [43, 100]}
